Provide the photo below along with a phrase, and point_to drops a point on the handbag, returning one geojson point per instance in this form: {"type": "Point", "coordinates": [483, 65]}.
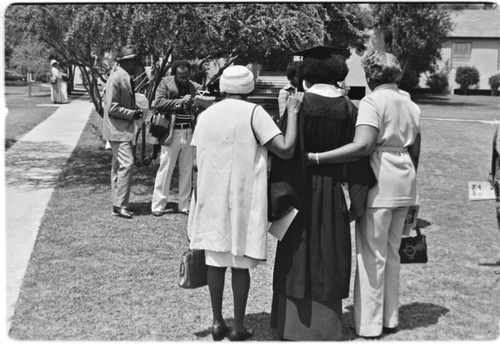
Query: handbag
{"type": "Point", "coordinates": [193, 270]}
{"type": "Point", "coordinates": [413, 249]}
{"type": "Point", "coordinates": [160, 124]}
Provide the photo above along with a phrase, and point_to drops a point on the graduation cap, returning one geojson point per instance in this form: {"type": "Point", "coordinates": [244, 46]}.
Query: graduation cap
{"type": "Point", "coordinates": [321, 52]}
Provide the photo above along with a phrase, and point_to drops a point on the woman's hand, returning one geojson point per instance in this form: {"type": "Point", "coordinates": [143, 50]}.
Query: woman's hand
{"type": "Point", "coordinates": [294, 103]}
{"type": "Point", "coordinates": [309, 158]}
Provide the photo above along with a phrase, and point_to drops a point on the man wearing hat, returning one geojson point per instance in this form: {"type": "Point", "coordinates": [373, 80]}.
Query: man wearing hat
{"type": "Point", "coordinates": [119, 115]}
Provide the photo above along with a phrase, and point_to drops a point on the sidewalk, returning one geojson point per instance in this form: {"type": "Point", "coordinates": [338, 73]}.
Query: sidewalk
{"type": "Point", "coordinates": [32, 168]}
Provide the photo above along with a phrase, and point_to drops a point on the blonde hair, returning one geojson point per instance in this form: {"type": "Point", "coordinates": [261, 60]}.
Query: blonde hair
{"type": "Point", "coordinates": [381, 67]}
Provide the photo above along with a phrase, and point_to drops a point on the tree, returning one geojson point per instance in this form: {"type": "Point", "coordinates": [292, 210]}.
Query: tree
{"type": "Point", "coordinates": [414, 33]}
{"type": "Point", "coordinates": [466, 76]}
{"type": "Point", "coordinates": [89, 35]}
{"type": "Point", "coordinates": [30, 57]}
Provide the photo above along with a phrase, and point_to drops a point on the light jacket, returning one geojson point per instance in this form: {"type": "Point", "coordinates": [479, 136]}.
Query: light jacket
{"type": "Point", "coordinates": [119, 105]}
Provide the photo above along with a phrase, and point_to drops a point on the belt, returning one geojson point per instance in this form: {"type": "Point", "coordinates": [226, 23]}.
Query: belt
{"type": "Point", "coordinates": [391, 149]}
{"type": "Point", "coordinates": [182, 126]}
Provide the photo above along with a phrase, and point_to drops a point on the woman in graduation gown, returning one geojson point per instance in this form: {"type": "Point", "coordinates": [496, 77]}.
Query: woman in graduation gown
{"type": "Point", "coordinates": [313, 260]}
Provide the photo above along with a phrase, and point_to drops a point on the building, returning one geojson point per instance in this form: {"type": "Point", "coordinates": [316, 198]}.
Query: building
{"type": "Point", "coordinates": [475, 42]}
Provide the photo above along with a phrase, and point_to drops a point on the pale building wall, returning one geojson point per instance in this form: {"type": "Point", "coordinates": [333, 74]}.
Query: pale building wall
{"type": "Point", "coordinates": [484, 56]}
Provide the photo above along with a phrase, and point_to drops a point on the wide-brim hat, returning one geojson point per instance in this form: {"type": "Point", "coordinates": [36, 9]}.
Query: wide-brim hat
{"type": "Point", "coordinates": [237, 80]}
{"type": "Point", "coordinates": [128, 53]}
{"type": "Point", "coordinates": [53, 62]}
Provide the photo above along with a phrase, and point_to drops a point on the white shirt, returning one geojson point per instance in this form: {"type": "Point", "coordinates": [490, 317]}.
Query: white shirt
{"type": "Point", "coordinates": [397, 119]}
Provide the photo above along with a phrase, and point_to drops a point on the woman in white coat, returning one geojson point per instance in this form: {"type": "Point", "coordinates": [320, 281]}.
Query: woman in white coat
{"type": "Point", "coordinates": [388, 130]}
{"type": "Point", "coordinates": [59, 90]}
{"type": "Point", "coordinates": [228, 217]}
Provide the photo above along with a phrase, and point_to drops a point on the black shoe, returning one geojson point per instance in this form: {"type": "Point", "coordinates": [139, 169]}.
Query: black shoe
{"type": "Point", "coordinates": [236, 336]}
{"type": "Point", "coordinates": [218, 332]}
{"type": "Point", "coordinates": [122, 212]}
{"type": "Point", "coordinates": [389, 330]}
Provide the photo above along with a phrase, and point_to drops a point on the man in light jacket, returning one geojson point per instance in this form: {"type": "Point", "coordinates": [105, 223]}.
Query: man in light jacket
{"type": "Point", "coordinates": [118, 127]}
{"type": "Point", "coordinates": [175, 95]}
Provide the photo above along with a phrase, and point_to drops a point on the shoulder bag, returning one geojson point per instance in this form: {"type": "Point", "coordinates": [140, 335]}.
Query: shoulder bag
{"type": "Point", "coordinates": [413, 249]}
{"type": "Point", "coordinates": [193, 270]}
{"type": "Point", "coordinates": [160, 124]}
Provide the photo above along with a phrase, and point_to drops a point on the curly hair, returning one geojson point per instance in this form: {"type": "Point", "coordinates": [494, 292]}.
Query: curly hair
{"type": "Point", "coordinates": [292, 69]}
{"type": "Point", "coordinates": [180, 63]}
{"type": "Point", "coordinates": [381, 67]}
{"type": "Point", "coordinates": [324, 71]}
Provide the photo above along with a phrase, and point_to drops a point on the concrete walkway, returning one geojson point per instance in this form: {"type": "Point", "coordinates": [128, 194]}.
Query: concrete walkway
{"type": "Point", "coordinates": [32, 168]}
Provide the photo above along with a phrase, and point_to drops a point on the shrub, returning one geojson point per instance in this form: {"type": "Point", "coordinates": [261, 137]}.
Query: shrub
{"type": "Point", "coordinates": [494, 81]}
{"type": "Point", "coordinates": [466, 76]}
{"type": "Point", "coordinates": [409, 80]}
{"type": "Point", "coordinates": [438, 81]}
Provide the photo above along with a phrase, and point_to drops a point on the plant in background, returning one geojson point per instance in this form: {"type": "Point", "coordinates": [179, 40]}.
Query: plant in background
{"type": "Point", "coordinates": [467, 76]}
{"type": "Point", "coordinates": [494, 82]}
{"type": "Point", "coordinates": [438, 82]}
{"type": "Point", "coordinates": [409, 80]}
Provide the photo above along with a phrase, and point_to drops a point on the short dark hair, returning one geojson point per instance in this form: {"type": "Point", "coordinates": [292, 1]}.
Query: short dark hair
{"type": "Point", "coordinates": [180, 63]}
{"type": "Point", "coordinates": [324, 71]}
{"type": "Point", "coordinates": [292, 69]}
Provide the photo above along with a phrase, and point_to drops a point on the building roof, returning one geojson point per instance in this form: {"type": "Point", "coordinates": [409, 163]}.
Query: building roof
{"type": "Point", "coordinates": [477, 23]}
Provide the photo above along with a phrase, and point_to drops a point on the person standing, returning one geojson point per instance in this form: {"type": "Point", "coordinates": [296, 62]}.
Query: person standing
{"type": "Point", "coordinates": [175, 95]}
{"type": "Point", "coordinates": [59, 87]}
{"type": "Point", "coordinates": [388, 130]}
{"type": "Point", "coordinates": [494, 179]}
{"type": "Point", "coordinates": [290, 88]}
{"type": "Point", "coordinates": [120, 112]}
{"type": "Point", "coordinates": [228, 217]}
{"type": "Point", "coordinates": [313, 260]}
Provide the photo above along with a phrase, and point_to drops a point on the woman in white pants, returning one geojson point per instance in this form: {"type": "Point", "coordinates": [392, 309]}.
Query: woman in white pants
{"type": "Point", "coordinates": [388, 130]}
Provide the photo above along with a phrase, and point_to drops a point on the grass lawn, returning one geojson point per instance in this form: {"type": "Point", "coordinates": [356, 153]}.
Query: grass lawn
{"type": "Point", "coordinates": [93, 276]}
{"type": "Point", "coordinates": [25, 112]}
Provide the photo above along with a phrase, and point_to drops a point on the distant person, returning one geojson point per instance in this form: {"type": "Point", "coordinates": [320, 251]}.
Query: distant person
{"type": "Point", "coordinates": [59, 87]}
{"type": "Point", "coordinates": [175, 95]}
{"type": "Point", "coordinates": [290, 88]}
{"type": "Point", "coordinates": [229, 213]}
{"type": "Point", "coordinates": [495, 178]}
{"type": "Point", "coordinates": [120, 112]}
{"type": "Point", "coordinates": [388, 130]}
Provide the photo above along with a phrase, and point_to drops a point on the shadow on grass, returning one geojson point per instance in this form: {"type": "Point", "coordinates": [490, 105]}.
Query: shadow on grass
{"type": "Point", "coordinates": [259, 323]}
{"type": "Point", "coordinates": [411, 316]}
{"type": "Point", "coordinates": [144, 208]}
{"type": "Point", "coordinates": [441, 100]}
{"type": "Point", "coordinates": [420, 314]}
{"type": "Point", "coordinates": [421, 223]}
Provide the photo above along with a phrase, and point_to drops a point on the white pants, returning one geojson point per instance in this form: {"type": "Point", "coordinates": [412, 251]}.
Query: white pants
{"type": "Point", "coordinates": [376, 283]}
{"type": "Point", "coordinates": [180, 147]}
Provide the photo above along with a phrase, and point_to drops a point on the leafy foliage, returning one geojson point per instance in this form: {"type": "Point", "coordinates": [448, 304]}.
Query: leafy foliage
{"type": "Point", "coordinates": [414, 32]}
{"type": "Point", "coordinates": [89, 35]}
{"type": "Point", "coordinates": [467, 76]}
{"type": "Point", "coordinates": [494, 81]}
{"type": "Point", "coordinates": [438, 81]}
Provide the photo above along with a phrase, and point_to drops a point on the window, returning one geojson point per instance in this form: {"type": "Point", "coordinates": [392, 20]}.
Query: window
{"type": "Point", "coordinates": [460, 54]}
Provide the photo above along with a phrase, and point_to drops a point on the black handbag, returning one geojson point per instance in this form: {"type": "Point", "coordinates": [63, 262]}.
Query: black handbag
{"type": "Point", "coordinates": [413, 249]}
{"type": "Point", "coordinates": [160, 124]}
{"type": "Point", "coordinates": [193, 270]}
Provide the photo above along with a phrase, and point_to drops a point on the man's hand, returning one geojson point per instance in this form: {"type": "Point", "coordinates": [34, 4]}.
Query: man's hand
{"type": "Point", "coordinates": [138, 114]}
